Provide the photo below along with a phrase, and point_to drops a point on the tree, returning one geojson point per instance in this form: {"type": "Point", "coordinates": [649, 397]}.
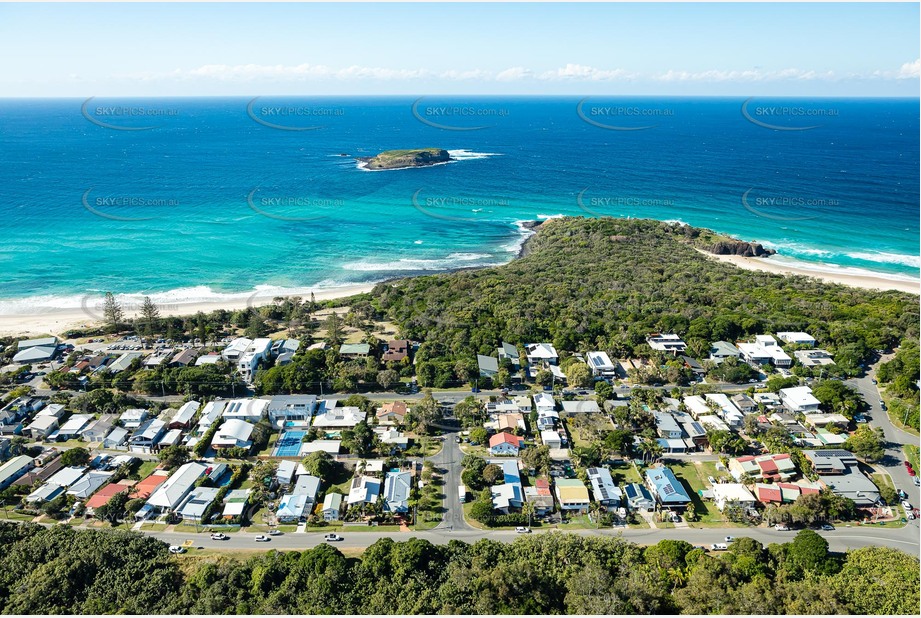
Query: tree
{"type": "Point", "coordinates": [543, 377]}
{"type": "Point", "coordinates": [603, 392]}
{"type": "Point", "coordinates": [112, 312]}
{"type": "Point", "coordinates": [150, 314]}
{"type": "Point", "coordinates": [387, 378]}
{"type": "Point", "coordinates": [113, 510]}
{"type": "Point", "coordinates": [358, 440]}
{"type": "Point", "coordinates": [478, 435]}
{"type": "Point", "coordinates": [491, 474]}
{"type": "Point", "coordinates": [319, 464]}
{"type": "Point", "coordinates": [78, 456]}
{"type": "Point", "coordinates": [809, 551]}
{"type": "Point", "coordinates": [866, 443]}
{"type": "Point", "coordinates": [578, 374]}
{"type": "Point", "coordinates": [619, 441]}
{"type": "Point", "coordinates": [537, 458]}
{"type": "Point", "coordinates": [174, 456]}
{"type": "Point", "coordinates": [334, 329]}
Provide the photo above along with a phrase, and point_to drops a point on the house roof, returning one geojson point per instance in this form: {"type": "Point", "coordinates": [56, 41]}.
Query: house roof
{"type": "Point", "coordinates": [667, 486]}
{"type": "Point", "coordinates": [571, 490]}
{"type": "Point", "coordinates": [186, 413]}
{"type": "Point", "coordinates": [394, 407]}
{"type": "Point", "coordinates": [487, 363]}
{"type": "Point", "coordinates": [233, 430]}
{"type": "Point", "coordinates": [89, 483]}
{"type": "Point", "coordinates": [105, 494]}
{"type": "Point", "coordinates": [364, 489]}
{"type": "Point", "coordinates": [307, 485]}
{"type": "Point", "coordinates": [75, 423]}
{"type": "Point", "coordinates": [197, 502]}
{"type": "Point", "coordinates": [332, 501]}
{"type": "Point", "coordinates": [542, 351]}
{"type": "Point", "coordinates": [505, 438]}
{"type": "Point", "coordinates": [170, 493]}
{"type": "Point", "coordinates": [397, 487]}
{"type": "Point", "coordinates": [354, 348]}
{"type": "Point", "coordinates": [583, 407]}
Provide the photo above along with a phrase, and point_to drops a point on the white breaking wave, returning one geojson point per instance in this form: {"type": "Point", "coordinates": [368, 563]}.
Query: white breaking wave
{"type": "Point", "coordinates": [888, 258]}
{"type": "Point", "coordinates": [821, 267]}
{"type": "Point", "coordinates": [545, 217]}
{"type": "Point", "coordinates": [454, 260]}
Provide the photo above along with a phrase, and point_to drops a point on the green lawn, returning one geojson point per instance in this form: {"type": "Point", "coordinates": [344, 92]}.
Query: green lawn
{"type": "Point", "coordinates": [695, 478]}
{"type": "Point", "coordinates": [583, 428]}
{"type": "Point", "coordinates": [12, 515]}
{"type": "Point", "coordinates": [911, 454]}
{"type": "Point", "coordinates": [624, 474]}
{"type": "Point", "coordinates": [146, 468]}
{"type": "Point", "coordinates": [267, 451]}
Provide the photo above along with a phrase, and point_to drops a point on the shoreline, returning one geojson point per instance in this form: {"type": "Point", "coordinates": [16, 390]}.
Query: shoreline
{"type": "Point", "coordinates": [58, 321]}
{"type": "Point", "coordinates": [866, 282]}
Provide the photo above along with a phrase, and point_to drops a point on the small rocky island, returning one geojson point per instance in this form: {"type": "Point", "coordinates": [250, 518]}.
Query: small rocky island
{"type": "Point", "coordinates": [401, 159]}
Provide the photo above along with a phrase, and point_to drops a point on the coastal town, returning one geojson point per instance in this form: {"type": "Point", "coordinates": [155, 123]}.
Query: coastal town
{"type": "Point", "coordinates": [751, 437]}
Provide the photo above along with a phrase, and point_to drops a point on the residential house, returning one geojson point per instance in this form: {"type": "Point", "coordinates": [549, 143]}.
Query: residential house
{"type": "Point", "coordinates": [392, 413]}
{"type": "Point", "coordinates": [284, 473]}
{"type": "Point", "coordinates": [249, 410]}
{"type": "Point", "coordinates": [523, 403]}
{"type": "Point", "coordinates": [364, 490]}
{"type": "Point", "coordinates": [673, 446]}
{"type": "Point", "coordinates": [397, 487]}
{"type": "Point", "coordinates": [170, 494]}
{"type": "Point", "coordinates": [589, 406]}
{"type": "Point", "coordinates": [307, 485]}
{"type": "Point", "coordinates": [132, 418]}
{"type": "Point", "coordinates": [765, 350]}
{"type": "Point", "coordinates": [505, 443]}
{"type": "Point", "coordinates": [666, 425]}
{"type": "Point", "coordinates": [544, 402]}
{"type": "Point", "coordinates": [115, 438]}
{"type": "Point", "coordinates": [725, 494]}
{"type": "Point", "coordinates": [725, 409]}
{"type": "Point", "coordinates": [197, 503]}
{"type": "Point", "coordinates": [332, 507]}
{"type": "Point", "coordinates": [123, 362]}
{"type": "Point", "coordinates": [147, 436]}
{"type": "Point", "coordinates": [14, 469]}
{"type": "Point", "coordinates": [183, 417]}
{"type": "Point", "coordinates": [713, 422]}
{"type": "Point", "coordinates": [208, 359]}
{"type": "Point", "coordinates": [572, 495]}
{"type": "Point", "coordinates": [696, 368]}
{"type": "Point", "coordinates": [838, 470]}
{"type": "Point", "coordinates": [292, 507]}
{"type": "Point", "coordinates": [797, 338]}
{"type": "Point", "coordinates": [36, 350]}
{"type": "Point", "coordinates": [285, 346]}
{"type": "Point", "coordinates": [233, 433]}
{"type": "Point", "coordinates": [72, 428]}
{"type": "Point", "coordinates": [696, 405]}
{"type": "Point", "coordinates": [774, 468]}
{"type": "Point", "coordinates": [488, 366]}
{"type": "Point", "coordinates": [813, 358]}
{"type": "Point", "coordinates": [96, 431]}
{"type": "Point", "coordinates": [209, 414]}
{"type": "Point", "coordinates": [551, 438]}
{"type": "Point", "coordinates": [638, 497]}
{"type": "Point", "coordinates": [510, 494]}
{"type": "Point", "coordinates": [56, 484]}
{"type": "Point", "coordinates": [721, 350]}
{"type": "Point", "coordinates": [184, 358]}
{"type": "Point", "coordinates": [507, 422]}
{"type": "Point", "coordinates": [510, 352]}
{"type": "Point", "coordinates": [170, 438]}
{"type": "Point", "coordinates": [395, 440]}
{"type": "Point", "coordinates": [666, 342]}
{"type": "Point", "coordinates": [744, 403]}
{"type": "Point", "coordinates": [604, 490]}
{"type": "Point", "coordinates": [601, 365]}
{"type": "Point", "coordinates": [784, 493]}
{"type": "Point", "coordinates": [799, 400]}
{"type": "Point", "coordinates": [354, 350]}
{"type": "Point", "coordinates": [284, 408]}
{"type": "Point", "coordinates": [667, 489]}
{"type": "Point", "coordinates": [328, 446]}
{"type": "Point", "coordinates": [397, 350]}
{"type": "Point", "coordinates": [41, 426]}
{"type": "Point", "coordinates": [696, 434]}
{"type": "Point", "coordinates": [255, 353]}
{"type": "Point", "coordinates": [540, 497]}
{"type": "Point", "coordinates": [540, 354]}
{"type": "Point", "coordinates": [235, 349]}
{"type": "Point", "coordinates": [235, 503]}
{"type": "Point", "coordinates": [86, 485]}
{"type": "Point", "coordinates": [338, 418]}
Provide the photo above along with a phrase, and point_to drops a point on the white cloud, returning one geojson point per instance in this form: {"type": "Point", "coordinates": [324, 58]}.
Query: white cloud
{"type": "Point", "coordinates": [514, 74]}
{"type": "Point", "coordinates": [750, 75]}
{"type": "Point", "coordinates": [580, 72]}
{"type": "Point", "coordinates": [910, 70]}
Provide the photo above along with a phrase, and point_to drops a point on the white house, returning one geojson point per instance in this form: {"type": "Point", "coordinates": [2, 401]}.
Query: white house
{"type": "Point", "coordinates": [666, 425]}
{"type": "Point", "coordinates": [132, 418]}
{"type": "Point", "coordinates": [729, 493]}
{"type": "Point", "coordinates": [541, 353]}
{"type": "Point", "coordinates": [364, 490]}
{"type": "Point", "coordinates": [74, 425]}
{"type": "Point", "coordinates": [184, 415]}
{"type": "Point", "coordinates": [696, 405]}
{"type": "Point", "coordinates": [338, 418]}
{"type": "Point", "coordinates": [291, 408]}
{"type": "Point", "coordinates": [173, 491]}
{"type": "Point", "coordinates": [799, 399]}
{"type": "Point", "coordinates": [551, 438]}
{"type": "Point", "coordinates": [235, 349]}
{"type": "Point", "coordinates": [233, 433]}
{"type": "Point", "coordinates": [505, 443]}
{"type": "Point", "coordinates": [721, 350]}
{"type": "Point", "coordinates": [797, 337]}
{"type": "Point", "coordinates": [397, 487]}
{"type": "Point", "coordinates": [147, 436]}
{"type": "Point", "coordinates": [332, 507]}
{"type": "Point", "coordinates": [249, 410]}
{"type": "Point", "coordinates": [603, 488]}
{"type": "Point", "coordinates": [255, 352]}
{"type": "Point", "coordinates": [292, 507]}
{"type": "Point", "coordinates": [727, 410]}
{"type": "Point", "coordinates": [601, 365]}
{"type": "Point", "coordinates": [765, 350]}
{"type": "Point", "coordinates": [544, 402]}
{"type": "Point", "coordinates": [665, 342]}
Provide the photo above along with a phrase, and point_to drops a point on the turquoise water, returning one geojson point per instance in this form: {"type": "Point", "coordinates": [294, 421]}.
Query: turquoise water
{"type": "Point", "coordinates": [210, 203]}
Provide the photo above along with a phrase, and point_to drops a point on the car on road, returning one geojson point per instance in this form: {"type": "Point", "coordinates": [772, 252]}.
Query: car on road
{"type": "Point", "coordinates": [874, 381]}
{"type": "Point", "coordinates": [827, 527]}
{"type": "Point", "coordinates": [219, 536]}
{"type": "Point", "coordinates": [275, 532]}
{"type": "Point", "coordinates": [906, 504]}
{"type": "Point", "coordinates": [719, 547]}
{"type": "Point", "coordinates": [523, 530]}
{"type": "Point", "coordinates": [457, 439]}
{"type": "Point", "coordinates": [917, 482]}
{"type": "Point", "coordinates": [261, 538]}
{"type": "Point", "coordinates": [902, 495]}
{"type": "Point", "coordinates": [782, 527]}
{"type": "Point", "coordinates": [730, 539]}
{"type": "Point", "coordinates": [881, 402]}
{"type": "Point", "coordinates": [176, 549]}
{"type": "Point", "coordinates": [332, 537]}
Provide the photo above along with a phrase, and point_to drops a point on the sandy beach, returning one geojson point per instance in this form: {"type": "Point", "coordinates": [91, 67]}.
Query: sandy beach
{"type": "Point", "coordinates": [57, 322]}
{"type": "Point", "coordinates": [771, 265]}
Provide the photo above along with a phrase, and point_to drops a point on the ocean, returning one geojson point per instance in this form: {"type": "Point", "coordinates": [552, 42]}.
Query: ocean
{"type": "Point", "coordinates": [194, 200]}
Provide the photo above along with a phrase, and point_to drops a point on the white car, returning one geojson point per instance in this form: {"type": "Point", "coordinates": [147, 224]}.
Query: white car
{"type": "Point", "coordinates": [332, 537]}
{"type": "Point", "coordinates": [219, 536]}
{"type": "Point", "coordinates": [782, 527]}
{"type": "Point", "coordinates": [906, 504]}
{"type": "Point", "coordinates": [730, 539]}
{"type": "Point", "coordinates": [176, 549]}
{"type": "Point", "coordinates": [261, 538]}
{"type": "Point", "coordinates": [523, 530]}
{"type": "Point", "coordinates": [274, 532]}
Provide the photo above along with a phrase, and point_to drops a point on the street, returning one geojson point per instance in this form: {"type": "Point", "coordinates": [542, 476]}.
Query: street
{"type": "Point", "coordinates": [449, 460]}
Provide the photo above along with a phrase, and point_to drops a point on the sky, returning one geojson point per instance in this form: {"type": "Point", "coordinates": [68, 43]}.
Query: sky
{"type": "Point", "coordinates": [685, 49]}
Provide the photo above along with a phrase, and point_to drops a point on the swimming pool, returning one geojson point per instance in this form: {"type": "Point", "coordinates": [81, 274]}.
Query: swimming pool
{"type": "Point", "coordinates": [289, 444]}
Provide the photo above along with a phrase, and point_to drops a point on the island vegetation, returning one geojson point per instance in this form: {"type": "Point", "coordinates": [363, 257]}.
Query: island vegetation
{"type": "Point", "coordinates": [401, 159]}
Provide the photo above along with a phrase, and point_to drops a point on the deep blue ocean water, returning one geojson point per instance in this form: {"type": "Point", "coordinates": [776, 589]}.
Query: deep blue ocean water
{"type": "Point", "coordinates": [207, 199]}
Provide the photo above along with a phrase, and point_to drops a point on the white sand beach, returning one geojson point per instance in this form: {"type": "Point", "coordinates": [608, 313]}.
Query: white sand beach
{"type": "Point", "coordinates": [56, 322]}
{"type": "Point", "coordinates": [771, 265]}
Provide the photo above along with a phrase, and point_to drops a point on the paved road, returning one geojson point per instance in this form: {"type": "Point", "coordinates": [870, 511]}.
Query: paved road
{"type": "Point", "coordinates": [449, 460]}
{"type": "Point", "coordinates": [841, 539]}
{"type": "Point", "coordinates": [895, 437]}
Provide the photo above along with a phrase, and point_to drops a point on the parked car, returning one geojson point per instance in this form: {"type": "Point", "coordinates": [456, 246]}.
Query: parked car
{"type": "Point", "coordinates": [917, 482]}
{"type": "Point", "coordinates": [219, 536]}
{"type": "Point", "coordinates": [523, 530]}
{"type": "Point", "coordinates": [719, 547]}
{"type": "Point", "coordinates": [902, 495]}
{"type": "Point", "coordinates": [782, 527]}
{"type": "Point", "coordinates": [332, 537]}
{"type": "Point", "coordinates": [827, 527]}
{"type": "Point", "coordinates": [261, 538]}
{"type": "Point", "coordinates": [906, 504]}
{"type": "Point", "coordinates": [730, 539]}
{"type": "Point", "coordinates": [275, 532]}
{"type": "Point", "coordinates": [176, 549]}
{"type": "Point", "coordinates": [874, 381]}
